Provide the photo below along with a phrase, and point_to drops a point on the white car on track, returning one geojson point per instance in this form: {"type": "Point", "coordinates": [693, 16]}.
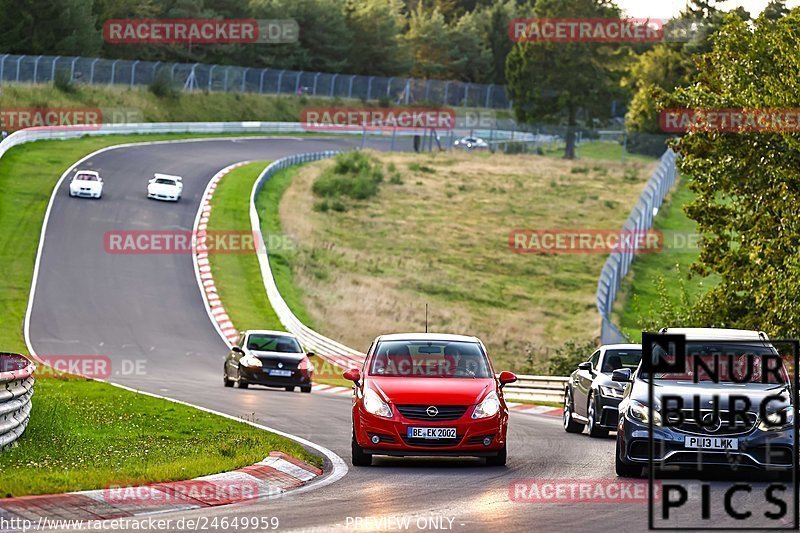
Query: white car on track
{"type": "Point", "coordinates": [86, 183]}
{"type": "Point", "coordinates": [165, 187]}
{"type": "Point", "coordinates": [471, 143]}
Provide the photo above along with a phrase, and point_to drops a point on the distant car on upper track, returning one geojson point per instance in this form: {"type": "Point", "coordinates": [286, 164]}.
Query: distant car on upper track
{"type": "Point", "coordinates": [165, 187]}
{"type": "Point", "coordinates": [87, 184]}
{"type": "Point", "coordinates": [428, 394]}
{"type": "Point", "coordinates": [591, 397]}
{"type": "Point", "coordinates": [470, 143]}
{"type": "Point", "coordinates": [269, 358]}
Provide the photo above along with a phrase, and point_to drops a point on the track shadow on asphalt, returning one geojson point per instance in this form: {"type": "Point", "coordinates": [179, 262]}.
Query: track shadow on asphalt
{"type": "Point", "coordinates": [443, 463]}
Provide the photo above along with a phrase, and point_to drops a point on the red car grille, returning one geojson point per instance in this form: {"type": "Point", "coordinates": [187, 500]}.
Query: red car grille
{"type": "Point", "coordinates": [443, 412]}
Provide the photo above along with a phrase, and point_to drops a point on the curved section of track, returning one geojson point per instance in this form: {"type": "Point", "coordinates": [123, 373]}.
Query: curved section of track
{"type": "Point", "coordinates": [147, 308]}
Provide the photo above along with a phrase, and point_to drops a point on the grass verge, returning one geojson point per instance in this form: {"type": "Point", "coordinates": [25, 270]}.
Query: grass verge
{"type": "Point", "coordinates": [138, 104]}
{"type": "Point", "coordinates": [84, 434]}
{"type": "Point", "coordinates": [89, 435]}
{"type": "Point", "coordinates": [238, 275]}
{"type": "Point", "coordinates": [437, 232]}
{"type": "Point", "coordinates": [600, 151]}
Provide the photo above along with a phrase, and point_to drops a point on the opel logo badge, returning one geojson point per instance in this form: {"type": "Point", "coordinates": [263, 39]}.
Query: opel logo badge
{"type": "Point", "coordinates": [711, 425]}
{"type": "Point", "coordinates": [432, 411]}
{"type": "Point", "coordinates": [280, 365]}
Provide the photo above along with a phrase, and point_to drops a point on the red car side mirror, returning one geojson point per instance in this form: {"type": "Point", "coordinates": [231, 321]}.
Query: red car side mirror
{"type": "Point", "coordinates": [353, 375]}
{"type": "Point", "coordinates": [507, 377]}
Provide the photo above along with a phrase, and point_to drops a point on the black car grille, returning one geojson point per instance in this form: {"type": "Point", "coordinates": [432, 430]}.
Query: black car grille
{"type": "Point", "coordinates": [730, 425]}
{"type": "Point", "coordinates": [444, 412]}
{"type": "Point", "coordinates": [272, 362]}
{"type": "Point", "coordinates": [775, 456]}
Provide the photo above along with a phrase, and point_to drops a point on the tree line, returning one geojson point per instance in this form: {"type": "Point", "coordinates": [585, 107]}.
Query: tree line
{"type": "Point", "coordinates": [440, 39]}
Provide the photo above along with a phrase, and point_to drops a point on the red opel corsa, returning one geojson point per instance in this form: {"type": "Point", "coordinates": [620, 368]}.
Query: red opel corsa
{"type": "Point", "coordinates": [428, 394]}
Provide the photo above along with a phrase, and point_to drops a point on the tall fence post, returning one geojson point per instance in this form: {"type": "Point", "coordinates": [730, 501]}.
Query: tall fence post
{"type": "Point", "coordinates": [133, 71]}
{"type": "Point", "coordinates": [19, 60]}
{"type": "Point", "coordinates": [52, 69]}
{"type": "Point", "coordinates": [2, 66]}
{"type": "Point", "coordinates": [113, 71]}
{"type": "Point", "coordinates": [36, 68]}
{"type": "Point", "coordinates": [91, 70]}
{"type": "Point", "coordinates": [280, 78]}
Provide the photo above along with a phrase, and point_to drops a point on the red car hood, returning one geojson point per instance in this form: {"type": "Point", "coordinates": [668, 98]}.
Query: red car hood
{"type": "Point", "coordinates": [440, 391]}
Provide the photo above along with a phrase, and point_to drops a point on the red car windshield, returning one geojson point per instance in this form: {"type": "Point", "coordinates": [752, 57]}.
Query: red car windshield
{"type": "Point", "coordinates": [430, 359]}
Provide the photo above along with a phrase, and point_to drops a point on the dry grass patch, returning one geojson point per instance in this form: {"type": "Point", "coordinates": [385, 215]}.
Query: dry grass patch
{"type": "Point", "coordinates": [439, 235]}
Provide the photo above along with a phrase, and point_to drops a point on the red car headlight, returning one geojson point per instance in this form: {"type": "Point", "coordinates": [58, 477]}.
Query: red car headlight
{"type": "Point", "coordinates": [373, 404]}
{"type": "Point", "coordinates": [490, 406]}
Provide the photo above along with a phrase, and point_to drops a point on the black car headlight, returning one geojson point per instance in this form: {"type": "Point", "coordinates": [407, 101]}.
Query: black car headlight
{"type": "Point", "coordinates": [611, 392]}
{"type": "Point", "coordinates": [778, 420]}
{"type": "Point", "coordinates": [639, 412]}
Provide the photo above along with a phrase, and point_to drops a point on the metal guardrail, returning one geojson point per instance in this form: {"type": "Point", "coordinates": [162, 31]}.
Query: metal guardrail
{"type": "Point", "coordinates": [619, 262]}
{"type": "Point", "coordinates": [326, 348]}
{"type": "Point", "coordinates": [537, 389]}
{"type": "Point", "coordinates": [227, 78]}
{"type": "Point", "coordinates": [75, 132]}
{"type": "Point", "coordinates": [16, 390]}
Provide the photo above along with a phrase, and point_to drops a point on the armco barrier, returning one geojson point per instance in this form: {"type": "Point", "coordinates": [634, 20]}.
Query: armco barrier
{"type": "Point", "coordinates": [537, 389]}
{"type": "Point", "coordinates": [16, 380]}
{"type": "Point", "coordinates": [326, 348]}
{"type": "Point", "coordinates": [618, 263]}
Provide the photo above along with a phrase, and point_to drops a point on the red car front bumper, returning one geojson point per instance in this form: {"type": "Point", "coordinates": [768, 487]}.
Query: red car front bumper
{"type": "Point", "coordinates": [392, 434]}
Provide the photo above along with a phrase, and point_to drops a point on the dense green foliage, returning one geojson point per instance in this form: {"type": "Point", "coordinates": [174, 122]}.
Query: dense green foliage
{"type": "Point", "coordinates": [553, 80]}
{"type": "Point", "coordinates": [747, 185]}
{"type": "Point", "coordinates": [353, 176]}
{"type": "Point", "coordinates": [448, 39]}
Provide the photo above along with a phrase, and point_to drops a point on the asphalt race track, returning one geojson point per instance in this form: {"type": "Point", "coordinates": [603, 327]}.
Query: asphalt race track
{"type": "Point", "coordinates": [148, 308]}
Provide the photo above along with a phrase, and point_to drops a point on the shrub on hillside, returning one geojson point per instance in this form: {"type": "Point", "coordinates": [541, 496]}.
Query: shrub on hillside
{"type": "Point", "coordinates": [163, 85]}
{"type": "Point", "coordinates": [354, 175]}
{"type": "Point", "coordinates": [63, 82]}
{"type": "Point", "coordinates": [568, 355]}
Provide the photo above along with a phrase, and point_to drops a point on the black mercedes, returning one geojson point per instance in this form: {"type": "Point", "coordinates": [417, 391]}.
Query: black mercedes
{"type": "Point", "coordinates": [731, 406]}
